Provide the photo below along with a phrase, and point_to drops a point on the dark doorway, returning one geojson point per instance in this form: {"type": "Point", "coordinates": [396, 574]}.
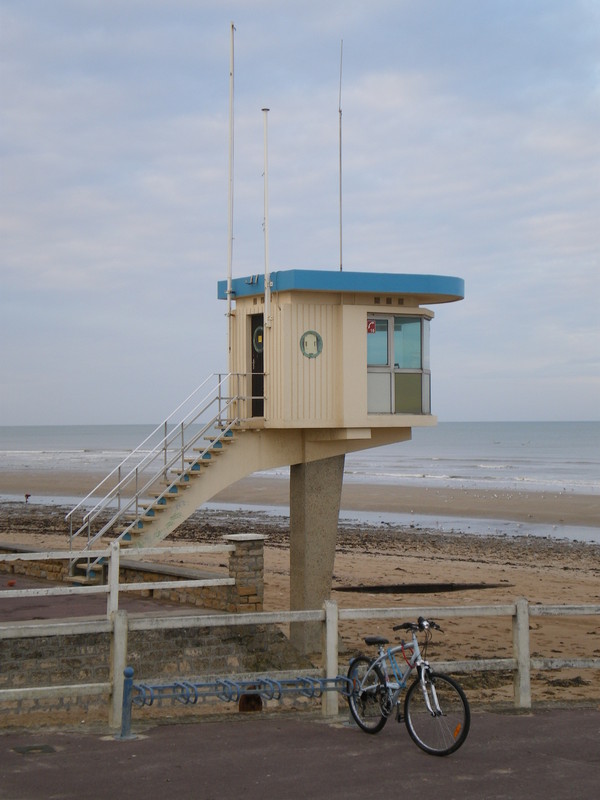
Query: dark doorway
{"type": "Point", "coordinates": [257, 339]}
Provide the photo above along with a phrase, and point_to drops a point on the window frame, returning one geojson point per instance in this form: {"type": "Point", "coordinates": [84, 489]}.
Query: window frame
{"type": "Point", "coordinates": [377, 403]}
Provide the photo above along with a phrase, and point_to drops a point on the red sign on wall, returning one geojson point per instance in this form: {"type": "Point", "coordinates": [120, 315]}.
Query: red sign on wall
{"type": "Point", "coordinates": [371, 326]}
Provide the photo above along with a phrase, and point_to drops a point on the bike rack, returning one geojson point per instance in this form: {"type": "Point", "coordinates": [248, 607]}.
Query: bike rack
{"type": "Point", "coordinates": [189, 693]}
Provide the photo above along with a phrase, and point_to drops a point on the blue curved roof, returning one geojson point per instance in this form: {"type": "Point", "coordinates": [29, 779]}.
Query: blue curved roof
{"type": "Point", "coordinates": [427, 288]}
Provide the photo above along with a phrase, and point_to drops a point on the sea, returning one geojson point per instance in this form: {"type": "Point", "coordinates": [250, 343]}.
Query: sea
{"type": "Point", "coordinates": [513, 456]}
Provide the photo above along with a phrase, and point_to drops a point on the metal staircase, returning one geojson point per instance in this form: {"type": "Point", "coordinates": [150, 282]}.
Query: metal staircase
{"type": "Point", "coordinates": [144, 496]}
{"type": "Point", "coordinates": [205, 445]}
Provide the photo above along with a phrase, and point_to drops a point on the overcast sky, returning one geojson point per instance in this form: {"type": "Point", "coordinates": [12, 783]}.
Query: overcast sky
{"type": "Point", "coordinates": [471, 147]}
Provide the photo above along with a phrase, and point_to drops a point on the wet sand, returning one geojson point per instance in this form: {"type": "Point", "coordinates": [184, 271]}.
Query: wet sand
{"type": "Point", "coordinates": [534, 507]}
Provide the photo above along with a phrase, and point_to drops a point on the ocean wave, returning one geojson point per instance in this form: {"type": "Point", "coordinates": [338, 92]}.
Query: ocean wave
{"type": "Point", "coordinates": [536, 456]}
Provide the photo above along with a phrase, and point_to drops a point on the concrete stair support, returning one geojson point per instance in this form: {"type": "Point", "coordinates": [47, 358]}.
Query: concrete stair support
{"type": "Point", "coordinates": [250, 451]}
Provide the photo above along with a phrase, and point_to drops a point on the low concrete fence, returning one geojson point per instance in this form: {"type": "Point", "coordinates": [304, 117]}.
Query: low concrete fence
{"type": "Point", "coordinates": [120, 626]}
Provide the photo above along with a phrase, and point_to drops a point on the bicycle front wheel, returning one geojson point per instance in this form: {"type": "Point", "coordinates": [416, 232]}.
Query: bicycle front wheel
{"type": "Point", "coordinates": [368, 692]}
{"type": "Point", "coordinates": [437, 714]}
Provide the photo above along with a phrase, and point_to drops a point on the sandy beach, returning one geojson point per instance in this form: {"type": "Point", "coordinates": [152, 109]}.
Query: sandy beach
{"type": "Point", "coordinates": [393, 566]}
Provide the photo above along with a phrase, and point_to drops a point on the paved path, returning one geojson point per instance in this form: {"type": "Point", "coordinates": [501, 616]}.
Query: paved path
{"type": "Point", "coordinates": [546, 755]}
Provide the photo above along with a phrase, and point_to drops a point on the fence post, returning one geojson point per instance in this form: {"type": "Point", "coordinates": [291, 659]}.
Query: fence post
{"type": "Point", "coordinates": [330, 650]}
{"type": "Point", "coordinates": [118, 660]}
{"type": "Point", "coordinates": [113, 579]}
{"type": "Point", "coordinates": [522, 680]}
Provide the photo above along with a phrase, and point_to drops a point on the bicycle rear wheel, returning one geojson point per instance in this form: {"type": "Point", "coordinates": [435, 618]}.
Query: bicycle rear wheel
{"type": "Point", "coordinates": [368, 691]}
{"type": "Point", "coordinates": [443, 729]}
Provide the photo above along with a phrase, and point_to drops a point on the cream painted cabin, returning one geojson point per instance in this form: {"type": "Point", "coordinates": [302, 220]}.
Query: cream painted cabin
{"type": "Point", "coordinates": [342, 352]}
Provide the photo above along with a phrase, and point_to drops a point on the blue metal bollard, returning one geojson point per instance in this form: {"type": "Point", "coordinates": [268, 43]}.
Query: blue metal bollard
{"type": "Point", "coordinates": [127, 703]}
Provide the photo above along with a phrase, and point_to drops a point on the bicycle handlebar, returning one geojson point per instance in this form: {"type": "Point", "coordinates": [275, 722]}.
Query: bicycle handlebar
{"type": "Point", "coordinates": [421, 624]}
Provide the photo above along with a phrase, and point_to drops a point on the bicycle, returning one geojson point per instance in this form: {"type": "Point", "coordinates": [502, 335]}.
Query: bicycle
{"type": "Point", "coordinates": [436, 711]}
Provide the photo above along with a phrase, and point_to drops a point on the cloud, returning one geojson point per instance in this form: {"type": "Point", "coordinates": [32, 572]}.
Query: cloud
{"type": "Point", "coordinates": [470, 147]}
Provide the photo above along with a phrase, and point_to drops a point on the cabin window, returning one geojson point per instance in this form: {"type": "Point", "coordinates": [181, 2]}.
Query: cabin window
{"type": "Point", "coordinates": [398, 375]}
{"type": "Point", "coordinates": [378, 343]}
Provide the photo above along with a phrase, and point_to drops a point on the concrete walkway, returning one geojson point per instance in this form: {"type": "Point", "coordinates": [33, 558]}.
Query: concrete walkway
{"type": "Point", "coordinates": [544, 755]}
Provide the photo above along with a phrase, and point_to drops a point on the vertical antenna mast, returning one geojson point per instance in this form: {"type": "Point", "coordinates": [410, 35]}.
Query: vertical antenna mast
{"type": "Point", "coordinates": [230, 203]}
{"type": "Point", "coordinates": [266, 224]}
{"type": "Point", "coordinates": [340, 116]}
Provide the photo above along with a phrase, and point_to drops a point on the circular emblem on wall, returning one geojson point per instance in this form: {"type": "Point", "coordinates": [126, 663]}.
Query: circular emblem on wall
{"type": "Point", "coordinates": [311, 344]}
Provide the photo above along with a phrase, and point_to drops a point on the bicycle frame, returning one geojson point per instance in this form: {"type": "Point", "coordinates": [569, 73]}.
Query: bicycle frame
{"type": "Point", "coordinates": [388, 656]}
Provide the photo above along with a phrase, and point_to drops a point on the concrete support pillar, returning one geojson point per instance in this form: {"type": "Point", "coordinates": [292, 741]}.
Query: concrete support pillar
{"type": "Point", "coordinates": [315, 493]}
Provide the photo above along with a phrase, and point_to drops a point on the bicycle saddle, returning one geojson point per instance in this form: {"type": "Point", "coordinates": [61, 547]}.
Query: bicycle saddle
{"type": "Point", "coordinates": [376, 640]}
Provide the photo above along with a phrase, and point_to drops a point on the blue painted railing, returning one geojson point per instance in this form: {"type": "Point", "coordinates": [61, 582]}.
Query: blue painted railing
{"type": "Point", "coordinates": [189, 693]}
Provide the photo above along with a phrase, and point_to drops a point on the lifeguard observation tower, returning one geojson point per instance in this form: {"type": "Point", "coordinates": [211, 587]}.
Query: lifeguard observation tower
{"type": "Point", "coordinates": [326, 363]}
{"type": "Point", "coordinates": [321, 364]}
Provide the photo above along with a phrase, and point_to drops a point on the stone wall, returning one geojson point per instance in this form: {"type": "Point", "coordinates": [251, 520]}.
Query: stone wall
{"type": "Point", "coordinates": [156, 656]}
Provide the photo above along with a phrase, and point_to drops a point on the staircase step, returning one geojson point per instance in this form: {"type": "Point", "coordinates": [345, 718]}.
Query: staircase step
{"type": "Point", "coordinates": [197, 466]}
{"type": "Point", "coordinates": [139, 523]}
{"type": "Point", "coordinates": [83, 563]}
{"type": "Point", "coordinates": [174, 488]}
{"type": "Point", "coordinates": [83, 571]}
{"type": "Point", "coordinates": [196, 462]}
{"type": "Point", "coordinates": [127, 536]}
{"type": "Point", "coordinates": [208, 454]}
{"type": "Point", "coordinates": [228, 433]}
{"type": "Point", "coordinates": [153, 509]}
{"type": "Point", "coordinates": [163, 499]}
{"type": "Point", "coordinates": [186, 474]}
{"type": "Point", "coordinates": [84, 580]}
{"type": "Point", "coordinates": [149, 513]}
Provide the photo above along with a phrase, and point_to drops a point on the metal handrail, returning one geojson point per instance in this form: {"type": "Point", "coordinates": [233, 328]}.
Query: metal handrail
{"type": "Point", "coordinates": [158, 451]}
{"type": "Point", "coordinates": [155, 476]}
{"type": "Point", "coordinates": [139, 447]}
{"type": "Point", "coordinates": [170, 449]}
{"type": "Point", "coordinates": [195, 412]}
